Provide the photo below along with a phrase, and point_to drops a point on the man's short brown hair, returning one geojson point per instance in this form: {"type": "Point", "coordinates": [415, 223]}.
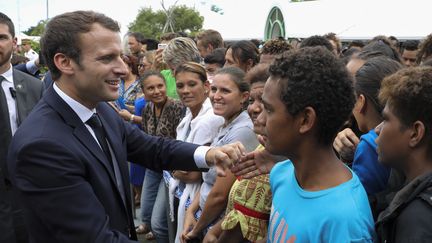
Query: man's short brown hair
{"type": "Point", "coordinates": [61, 35]}
{"type": "Point", "coordinates": [211, 37]}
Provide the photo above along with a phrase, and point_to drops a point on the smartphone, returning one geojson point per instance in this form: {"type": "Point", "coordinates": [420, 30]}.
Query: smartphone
{"type": "Point", "coordinates": [162, 46]}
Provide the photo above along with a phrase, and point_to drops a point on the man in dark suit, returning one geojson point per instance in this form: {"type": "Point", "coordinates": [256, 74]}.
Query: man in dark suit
{"type": "Point", "coordinates": [68, 159]}
{"type": "Point", "coordinates": [19, 93]}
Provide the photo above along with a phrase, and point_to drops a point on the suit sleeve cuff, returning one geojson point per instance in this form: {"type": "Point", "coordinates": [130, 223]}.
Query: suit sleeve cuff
{"type": "Point", "coordinates": [199, 157]}
{"type": "Point", "coordinates": [31, 67]}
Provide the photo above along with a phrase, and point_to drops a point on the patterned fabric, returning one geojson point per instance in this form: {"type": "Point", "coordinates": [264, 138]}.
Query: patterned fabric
{"type": "Point", "coordinates": [130, 94]}
{"type": "Point", "coordinates": [166, 124]}
{"type": "Point", "coordinates": [249, 205]}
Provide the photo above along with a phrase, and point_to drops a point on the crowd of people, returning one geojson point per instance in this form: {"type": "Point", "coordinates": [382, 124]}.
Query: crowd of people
{"type": "Point", "coordinates": [312, 140]}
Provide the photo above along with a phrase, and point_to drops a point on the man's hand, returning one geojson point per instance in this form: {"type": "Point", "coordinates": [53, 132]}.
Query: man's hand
{"type": "Point", "coordinates": [345, 144]}
{"type": "Point", "coordinates": [225, 157]}
{"type": "Point", "coordinates": [255, 163]}
{"type": "Point", "coordinates": [158, 61]}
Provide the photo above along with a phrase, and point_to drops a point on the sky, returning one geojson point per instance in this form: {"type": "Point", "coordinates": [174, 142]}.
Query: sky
{"type": "Point", "coordinates": [246, 19]}
{"type": "Point", "coordinates": [27, 13]}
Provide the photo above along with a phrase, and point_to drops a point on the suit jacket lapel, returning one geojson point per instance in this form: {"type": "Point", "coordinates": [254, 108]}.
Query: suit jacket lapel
{"type": "Point", "coordinates": [21, 98]}
{"type": "Point", "coordinates": [80, 130]}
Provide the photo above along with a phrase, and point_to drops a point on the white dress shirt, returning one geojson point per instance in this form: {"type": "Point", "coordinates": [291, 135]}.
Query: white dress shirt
{"type": "Point", "coordinates": [7, 84]}
{"type": "Point", "coordinates": [31, 55]}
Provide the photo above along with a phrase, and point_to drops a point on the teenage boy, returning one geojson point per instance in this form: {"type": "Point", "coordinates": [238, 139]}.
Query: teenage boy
{"type": "Point", "coordinates": [316, 198]}
{"type": "Point", "coordinates": [404, 143]}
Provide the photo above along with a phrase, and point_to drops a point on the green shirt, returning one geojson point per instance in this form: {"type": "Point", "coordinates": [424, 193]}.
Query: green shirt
{"type": "Point", "coordinates": [171, 88]}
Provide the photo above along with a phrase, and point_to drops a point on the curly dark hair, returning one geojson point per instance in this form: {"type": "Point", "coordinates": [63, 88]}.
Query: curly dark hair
{"type": "Point", "coordinates": [425, 49]}
{"type": "Point", "coordinates": [333, 37]}
{"type": "Point", "coordinates": [314, 77]}
{"type": "Point", "coordinates": [275, 46]}
{"type": "Point", "coordinates": [408, 93]}
{"type": "Point", "coordinates": [317, 40]}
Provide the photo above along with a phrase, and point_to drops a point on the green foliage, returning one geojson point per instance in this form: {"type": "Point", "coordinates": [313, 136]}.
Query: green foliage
{"type": "Point", "coordinates": [36, 30]}
{"type": "Point", "coordinates": [151, 23]}
{"type": "Point", "coordinates": [35, 46]}
{"type": "Point", "coordinates": [148, 22]}
{"type": "Point", "coordinates": [187, 19]}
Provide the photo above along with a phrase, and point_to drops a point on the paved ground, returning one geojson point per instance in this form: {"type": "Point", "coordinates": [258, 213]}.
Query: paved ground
{"type": "Point", "coordinates": [137, 222]}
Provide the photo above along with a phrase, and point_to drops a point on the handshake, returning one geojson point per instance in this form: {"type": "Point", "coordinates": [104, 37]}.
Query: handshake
{"type": "Point", "coordinates": [242, 164]}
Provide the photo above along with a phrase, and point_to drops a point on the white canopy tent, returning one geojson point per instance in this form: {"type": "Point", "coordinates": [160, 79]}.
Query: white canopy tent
{"type": "Point", "coordinates": [350, 19]}
{"type": "Point", "coordinates": [21, 36]}
{"type": "Point", "coordinates": [357, 19]}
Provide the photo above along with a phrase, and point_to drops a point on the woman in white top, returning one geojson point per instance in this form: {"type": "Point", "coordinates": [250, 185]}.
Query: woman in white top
{"type": "Point", "coordinates": [229, 96]}
{"type": "Point", "coordinates": [200, 126]}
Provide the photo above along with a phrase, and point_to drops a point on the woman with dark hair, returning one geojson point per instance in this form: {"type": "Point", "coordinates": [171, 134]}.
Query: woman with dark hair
{"type": "Point", "coordinates": [129, 86]}
{"type": "Point", "coordinates": [384, 46]}
{"type": "Point", "coordinates": [242, 54]}
{"type": "Point", "coordinates": [160, 117]}
{"type": "Point", "coordinates": [367, 112]}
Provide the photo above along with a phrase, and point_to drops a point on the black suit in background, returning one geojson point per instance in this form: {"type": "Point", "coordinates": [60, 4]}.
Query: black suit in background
{"type": "Point", "coordinates": [67, 182]}
{"type": "Point", "coordinates": [27, 92]}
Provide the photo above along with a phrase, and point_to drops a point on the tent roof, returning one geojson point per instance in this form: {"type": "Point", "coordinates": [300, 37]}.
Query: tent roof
{"type": "Point", "coordinates": [357, 19]}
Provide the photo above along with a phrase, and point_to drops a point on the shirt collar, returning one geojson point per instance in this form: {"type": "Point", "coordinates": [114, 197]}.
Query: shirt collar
{"type": "Point", "coordinates": [8, 75]}
{"type": "Point", "coordinates": [83, 112]}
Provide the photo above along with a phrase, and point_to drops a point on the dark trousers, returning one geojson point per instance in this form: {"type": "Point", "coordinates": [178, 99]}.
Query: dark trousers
{"type": "Point", "coordinates": [12, 225]}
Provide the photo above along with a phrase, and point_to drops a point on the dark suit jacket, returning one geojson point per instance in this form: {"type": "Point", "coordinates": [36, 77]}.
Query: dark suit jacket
{"type": "Point", "coordinates": [66, 181]}
{"type": "Point", "coordinates": [23, 68]}
{"type": "Point", "coordinates": [28, 92]}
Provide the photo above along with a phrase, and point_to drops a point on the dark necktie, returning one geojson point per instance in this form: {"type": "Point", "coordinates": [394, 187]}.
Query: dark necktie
{"type": "Point", "coordinates": [5, 129]}
{"type": "Point", "coordinates": [95, 123]}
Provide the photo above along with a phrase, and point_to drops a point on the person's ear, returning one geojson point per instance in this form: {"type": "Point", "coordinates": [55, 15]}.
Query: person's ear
{"type": "Point", "coordinates": [14, 43]}
{"type": "Point", "coordinates": [417, 133]}
{"type": "Point", "coordinates": [63, 63]}
{"type": "Point", "coordinates": [249, 64]}
{"type": "Point", "coordinates": [362, 104]}
{"type": "Point", "coordinates": [307, 119]}
{"type": "Point", "coordinates": [207, 87]}
{"type": "Point", "coordinates": [244, 97]}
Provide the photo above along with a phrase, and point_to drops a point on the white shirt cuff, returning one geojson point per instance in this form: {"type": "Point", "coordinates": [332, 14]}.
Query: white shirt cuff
{"type": "Point", "coordinates": [31, 67]}
{"type": "Point", "coordinates": [199, 156]}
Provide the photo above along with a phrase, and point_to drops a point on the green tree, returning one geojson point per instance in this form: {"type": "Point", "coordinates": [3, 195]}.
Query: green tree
{"type": "Point", "coordinates": [36, 30]}
{"type": "Point", "coordinates": [187, 19]}
{"type": "Point", "coordinates": [148, 22]}
{"type": "Point", "coordinates": [151, 23]}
